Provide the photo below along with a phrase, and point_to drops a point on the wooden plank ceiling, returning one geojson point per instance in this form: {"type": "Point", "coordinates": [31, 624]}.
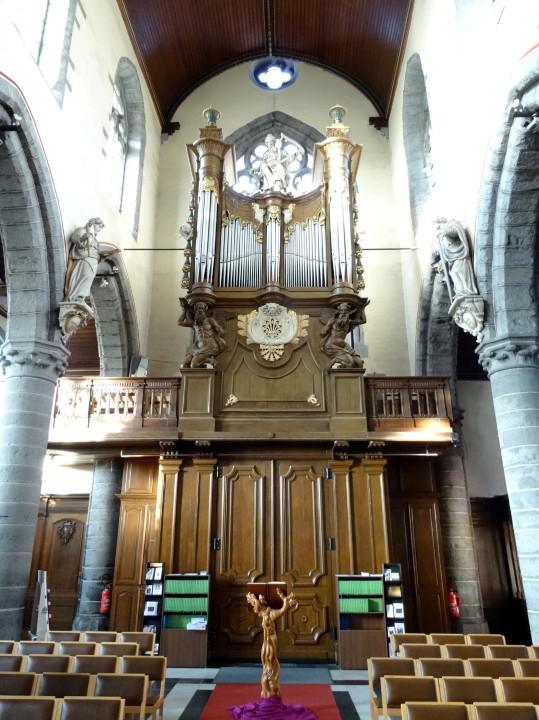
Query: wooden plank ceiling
{"type": "Point", "coordinates": [182, 43]}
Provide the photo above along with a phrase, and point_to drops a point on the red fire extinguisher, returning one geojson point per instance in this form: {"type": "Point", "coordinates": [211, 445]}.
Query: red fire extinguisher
{"type": "Point", "coordinates": [454, 602]}
{"type": "Point", "coordinates": [104, 603]}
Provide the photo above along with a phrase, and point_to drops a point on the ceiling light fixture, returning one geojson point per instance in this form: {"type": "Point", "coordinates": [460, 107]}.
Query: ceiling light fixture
{"type": "Point", "coordinates": [272, 73]}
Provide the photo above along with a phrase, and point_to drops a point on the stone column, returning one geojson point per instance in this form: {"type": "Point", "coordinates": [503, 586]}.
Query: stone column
{"type": "Point", "coordinates": [458, 538]}
{"type": "Point", "coordinates": [100, 543]}
{"type": "Point", "coordinates": [31, 370]}
{"type": "Point", "coordinates": [513, 368]}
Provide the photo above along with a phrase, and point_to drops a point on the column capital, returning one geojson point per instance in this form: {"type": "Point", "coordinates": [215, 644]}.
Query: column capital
{"type": "Point", "coordinates": [34, 358]}
{"type": "Point", "coordinates": [508, 353]}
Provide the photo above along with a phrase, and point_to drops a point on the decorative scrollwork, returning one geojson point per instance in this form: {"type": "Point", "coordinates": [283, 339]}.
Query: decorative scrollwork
{"type": "Point", "coordinates": [66, 530]}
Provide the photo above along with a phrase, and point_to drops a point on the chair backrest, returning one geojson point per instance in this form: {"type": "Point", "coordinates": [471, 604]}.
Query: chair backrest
{"type": "Point", "coordinates": [485, 639]}
{"type": "Point", "coordinates": [94, 664]}
{"type": "Point", "coordinates": [379, 666]}
{"type": "Point", "coordinates": [400, 638]}
{"type": "Point", "coordinates": [413, 650]}
{"type": "Point", "coordinates": [26, 708]}
{"type": "Point", "coordinates": [78, 708]}
{"type": "Point", "coordinates": [434, 711]}
{"type": "Point", "coordinates": [10, 663]}
{"type": "Point", "coordinates": [99, 636]}
{"type": "Point", "coordinates": [36, 647]}
{"type": "Point", "coordinates": [464, 652]}
{"type": "Point", "coordinates": [119, 649]}
{"type": "Point", "coordinates": [146, 640]}
{"type": "Point", "coordinates": [440, 667]}
{"type": "Point", "coordinates": [60, 684]}
{"type": "Point", "coordinates": [8, 646]}
{"type": "Point", "coordinates": [527, 668]}
{"type": "Point", "coordinates": [63, 635]}
{"type": "Point", "coordinates": [132, 688]}
{"type": "Point", "coordinates": [154, 667]}
{"type": "Point", "coordinates": [490, 667]}
{"type": "Point", "coordinates": [503, 711]}
{"type": "Point", "coordinates": [17, 683]}
{"type": "Point", "coordinates": [447, 639]}
{"type": "Point", "coordinates": [467, 689]}
{"type": "Point", "coordinates": [397, 690]}
{"type": "Point", "coordinates": [48, 663]}
{"type": "Point", "coordinates": [519, 689]}
{"type": "Point", "coordinates": [513, 652]}
{"type": "Point", "coordinates": [77, 648]}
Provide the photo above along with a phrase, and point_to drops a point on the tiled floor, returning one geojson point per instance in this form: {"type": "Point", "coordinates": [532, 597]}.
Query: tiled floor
{"type": "Point", "coordinates": [190, 688]}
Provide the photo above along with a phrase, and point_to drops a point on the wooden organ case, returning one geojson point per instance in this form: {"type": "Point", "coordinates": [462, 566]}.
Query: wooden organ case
{"type": "Point", "coordinates": [259, 486]}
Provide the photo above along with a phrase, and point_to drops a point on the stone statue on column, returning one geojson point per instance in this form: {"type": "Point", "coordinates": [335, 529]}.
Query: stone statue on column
{"type": "Point", "coordinates": [85, 253]}
{"type": "Point", "coordinates": [467, 306]}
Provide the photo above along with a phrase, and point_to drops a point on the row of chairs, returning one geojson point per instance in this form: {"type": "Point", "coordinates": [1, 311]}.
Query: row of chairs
{"type": "Point", "coordinates": [18, 707]}
{"type": "Point", "coordinates": [461, 711]}
{"type": "Point", "coordinates": [396, 690]}
{"type": "Point", "coordinates": [467, 652]}
{"type": "Point", "coordinates": [444, 639]}
{"type": "Point", "coordinates": [92, 664]}
{"type": "Point", "coordinates": [44, 647]}
{"type": "Point", "coordinates": [144, 640]}
{"type": "Point", "coordinates": [140, 680]}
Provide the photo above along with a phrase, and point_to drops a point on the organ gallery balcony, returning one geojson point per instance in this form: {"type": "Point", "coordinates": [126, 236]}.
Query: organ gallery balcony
{"type": "Point", "coordinates": [97, 409]}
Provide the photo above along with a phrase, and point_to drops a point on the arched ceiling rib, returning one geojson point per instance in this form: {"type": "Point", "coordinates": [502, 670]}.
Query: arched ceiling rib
{"type": "Point", "coordinates": [182, 43]}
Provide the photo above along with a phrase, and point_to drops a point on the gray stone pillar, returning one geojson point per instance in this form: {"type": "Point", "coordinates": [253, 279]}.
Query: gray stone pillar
{"type": "Point", "coordinates": [513, 367]}
{"type": "Point", "coordinates": [458, 538]}
{"type": "Point", "coordinates": [100, 544]}
{"type": "Point", "coordinates": [31, 370]}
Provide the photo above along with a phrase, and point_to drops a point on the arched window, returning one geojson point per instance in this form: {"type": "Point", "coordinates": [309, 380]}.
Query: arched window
{"type": "Point", "coordinates": [127, 141]}
{"type": "Point", "coordinates": [47, 30]}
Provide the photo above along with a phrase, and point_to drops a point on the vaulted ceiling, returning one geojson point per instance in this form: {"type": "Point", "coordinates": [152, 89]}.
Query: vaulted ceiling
{"type": "Point", "coordinates": [183, 43]}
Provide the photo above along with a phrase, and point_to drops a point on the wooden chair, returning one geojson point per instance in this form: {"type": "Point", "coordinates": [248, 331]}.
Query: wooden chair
{"type": "Point", "coordinates": [416, 651]}
{"type": "Point", "coordinates": [447, 639]}
{"type": "Point", "coordinates": [18, 683]}
{"type": "Point", "coordinates": [119, 649]}
{"type": "Point", "coordinates": [435, 711]}
{"type": "Point", "coordinates": [78, 708]}
{"type": "Point", "coordinates": [63, 635]}
{"type": "Point", "coordinates": [489, 667]}
{"type": "Point", "coordinates": [464, 652]}
{"type": "Point", "coordinates": [155, 668]}
{"type": "Point", "coordinates": [467, 689]}
{"type": "Point", "coordinates": [512, 652]}
{"type": "Point", "coordinates": [376, 669]}
{"type": "Point", "coordinates": [400, 638]}
{"type": "Point", "coordinates": [11, 663]}
{"type": "Point", "coordinates": [485, 639]}
{"type": "Point", "coordinates": [534, 651]}
{"type": "Point", "coordinates": [61, 684]}
{"type": "Point", "coordinates": [527, 668]}
{"type": "Point", "coordinates": [95, 664]}
{"type": "Point", "coordinates": [397, 690]}
{"type": "Point", "coordinates": [440, 667]}
{"type": "Point", "coordinates": [77, 648]}
{"type": "Point", "coordinates": [48, 663]}
{"type": "Point", "coordinates": [503, 711]}
{"type": "Point", "coordinates": [132, 688]}
{"type": "Point", "coordinates": [36, 647]}
{"type": "Point", "coordinates": [8, 647]}
{"type": "Point", "coordinates": [99, 636]}
{"type": "Point", "coordinates": [146, 641]}
{"type": "Point", "coordinates": [28, 708]}
{"type": "Point", "coordinates": [518, 690]}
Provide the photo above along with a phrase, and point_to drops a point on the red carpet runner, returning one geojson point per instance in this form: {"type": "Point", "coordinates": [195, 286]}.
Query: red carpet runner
{"type": "Point", "coordinates": [318, 698]}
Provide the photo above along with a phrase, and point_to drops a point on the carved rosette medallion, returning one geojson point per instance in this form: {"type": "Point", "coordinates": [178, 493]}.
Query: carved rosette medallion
{"type": "Point", "coordinates": [271, 327]}
{"type": "Point", "coordinates": [66, 530]}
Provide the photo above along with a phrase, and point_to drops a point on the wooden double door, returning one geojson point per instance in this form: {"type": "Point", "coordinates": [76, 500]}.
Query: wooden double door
{"type": "Point", "coordinates": [295, 521]}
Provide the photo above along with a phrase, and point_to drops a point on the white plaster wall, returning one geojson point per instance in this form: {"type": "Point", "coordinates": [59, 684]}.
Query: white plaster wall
{"type": "Point", "coordinates": [482, 456]}
{"type": "Point", "coordinates": [469, 50]}
{"type": "Point", "coordinates": [73, 137]}
{"type": "Point", "coordinates": [309, 100]}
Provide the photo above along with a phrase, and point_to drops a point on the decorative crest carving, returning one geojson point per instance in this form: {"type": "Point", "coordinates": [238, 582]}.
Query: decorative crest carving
{"type": "Point", "coordinates": [467, 306]}
{"type": "Point", "coordinates": [271, 327]}
{"type": "Point", "coordinates": [66, 530]}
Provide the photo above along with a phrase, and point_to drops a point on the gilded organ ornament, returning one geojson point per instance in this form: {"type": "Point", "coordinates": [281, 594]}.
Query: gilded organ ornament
{"type": "Point", "coordinates": [271, 327]}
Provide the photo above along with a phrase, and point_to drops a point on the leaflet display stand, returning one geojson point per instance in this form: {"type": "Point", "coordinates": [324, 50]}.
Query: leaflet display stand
{"type": "Point", "coordinates": [153, 600]}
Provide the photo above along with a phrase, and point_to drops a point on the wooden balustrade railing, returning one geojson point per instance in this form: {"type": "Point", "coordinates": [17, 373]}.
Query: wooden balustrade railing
{"type": "Point", "coordinates": [392, 403]}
